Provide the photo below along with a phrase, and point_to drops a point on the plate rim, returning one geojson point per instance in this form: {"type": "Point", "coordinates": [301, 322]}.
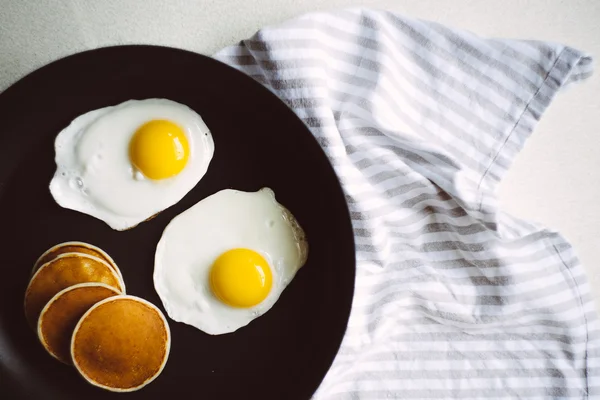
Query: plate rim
{"type": "Point", "coordinates": [8, 165]}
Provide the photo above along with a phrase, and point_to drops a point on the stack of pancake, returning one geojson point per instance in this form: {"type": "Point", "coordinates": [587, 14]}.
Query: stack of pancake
{"type": "Point", "coordinates": [77, 303]}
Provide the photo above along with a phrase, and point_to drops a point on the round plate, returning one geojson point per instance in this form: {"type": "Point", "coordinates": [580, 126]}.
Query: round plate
{"type": "Point", "coordinates": [259, 142]}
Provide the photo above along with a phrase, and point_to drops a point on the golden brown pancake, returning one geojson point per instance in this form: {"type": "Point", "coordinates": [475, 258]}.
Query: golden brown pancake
{"type": "Point", "coordinates": [65, 270]}
{"type": "Point", "coordinates": [121, 343]}
{"type": "Point", "coordinates": [75, 247]}
{"type": "Point", "coordinates": [62, 313]}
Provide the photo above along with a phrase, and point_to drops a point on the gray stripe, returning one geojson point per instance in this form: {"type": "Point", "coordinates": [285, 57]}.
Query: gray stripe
{"type": "Point", "coordinates": [568, 326]}
{"type": "Point", "coordinates": [432, 47]}
{"type": "Point", "coordinates": [564, 68]}
{"type": "Point", "coordinates": [506, 261]}
{"type": "Point", "coordinates": [491, 337]}
{"type": "Point", "coordinates": [384, 176]}
{"type": "Point", "coordinates": [445, 227]}
{"type": "Point", "coordinates": [445, 79]}
{"type": "Point", "coordinates": [374, 66]}
{"type": "Point", "coordinates": [593, 391]}
{"type": "Point", "coordinates": [473, 164]}
{"type": "Point", "coordinates": [562, 246]}
{"type": "Point", "coordinates": [303, 103]}
{"type": "Point", "coordinates": [368, 107]}
{"type": "Point", "coordinates": [473, 355]}
{"type": "Point", "coordinates": [513, 370]}
{"type": "Point", "coordinates": [467, 300]}
{"type": "Point", "coordinates": [245, 60]}
{"type": "Point", "coordinates": [433, 227]}
{"type": "Point", "coordinates": [476, 247]}
{"type": "Point", "coordinates": [370, 131]}
{"type": "Point", "coordinates": [295, 83]}
{"type": "Point", "coordinates": [449, 317]}
{"type": "Point", "coordinates": [510, 149]}
{"type": "Point", "coordinates": [417, 162]}
{"type": "Point", "coordinates": [381, 160]}
{"type": "Point", "coordinates": [387, 193]}
{"type": "Point", "coordinates": [313, 122]}
{"type": "Point", "coordinates": [547, 53]}
{"type": "Point", "coordinates": [473, 280]}
{"type": "Point", "coordinates": [425, 197]}
{"type": "Point", "coordinates": [555, 392]}
{"type": "Point", "coordinates": [432, 114]}
{"type": "Point", "coordinates": [412, 203]}
{"type": "Point", "coordinates": [396, 192]}
{"type": "Point", "coordinates": [462, 263]}
{"type": "Point", "coordinates": [512, 50]}
{"type": "Point", "coordinates": [419, 216]}
{"type": "Point", "coordinates": [403, 153]}
{"type": "Point", "coordinates": [476, 328]}
{"type": "Point", "coordinates": [260, 79]}
{"type": "Point", "coordinates": [581, 76]}
{"type": "Point", "coordinates": [463, 44]}
{"type": "Point", "coordinates": [427, 211]}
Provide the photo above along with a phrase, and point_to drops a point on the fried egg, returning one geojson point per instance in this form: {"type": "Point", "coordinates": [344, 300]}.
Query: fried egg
{"type": "Point", "coordinates": [226, 260]}
{"type": "Point", "coordinates": [126, 163]}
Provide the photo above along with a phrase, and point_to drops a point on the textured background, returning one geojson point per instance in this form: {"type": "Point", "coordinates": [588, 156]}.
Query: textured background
{"type": "Point", "coordinates": [556, 180]}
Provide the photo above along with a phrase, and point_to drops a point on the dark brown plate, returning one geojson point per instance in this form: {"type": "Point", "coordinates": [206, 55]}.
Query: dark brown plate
{"type": "Point", "coordinates": [258, 142]}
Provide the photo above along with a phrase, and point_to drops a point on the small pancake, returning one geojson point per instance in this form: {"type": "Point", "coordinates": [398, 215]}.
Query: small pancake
{"type": "Point", "coordinates": [65, 270]}
{"type": "Point", "coordinates": [75, 247]}
{"type": "Point", "coordinates": [62, 313]}
{"type": "Point", "coordinates": [121, 343]}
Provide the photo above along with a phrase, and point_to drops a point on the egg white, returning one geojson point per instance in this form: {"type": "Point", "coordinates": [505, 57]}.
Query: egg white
{"type": "Point", "coordinates": [193, 240]}
{"type": "Point", "coordinates": [95, 176]}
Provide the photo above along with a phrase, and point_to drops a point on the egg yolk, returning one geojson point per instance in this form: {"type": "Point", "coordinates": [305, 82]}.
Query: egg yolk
{"type": "Point", "coordinates": [241, 278]}
{"type": "Point", "coordinates": [159, 149]}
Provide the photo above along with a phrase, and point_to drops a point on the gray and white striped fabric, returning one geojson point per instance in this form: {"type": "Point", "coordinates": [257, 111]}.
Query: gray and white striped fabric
{"type": "Point", "coordinates": [454, 298]}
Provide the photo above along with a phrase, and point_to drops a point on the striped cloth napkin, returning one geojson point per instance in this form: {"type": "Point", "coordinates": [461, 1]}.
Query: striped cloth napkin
{"type": "Point", "coordinates": [454, 298]}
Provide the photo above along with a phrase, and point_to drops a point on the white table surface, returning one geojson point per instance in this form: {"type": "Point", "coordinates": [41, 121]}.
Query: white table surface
{"type": "Point", "coordinates": [555, 180]}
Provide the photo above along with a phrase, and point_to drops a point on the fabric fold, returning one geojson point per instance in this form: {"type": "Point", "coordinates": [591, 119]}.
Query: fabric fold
{"type": "Point", "coordinates": [454, 298]}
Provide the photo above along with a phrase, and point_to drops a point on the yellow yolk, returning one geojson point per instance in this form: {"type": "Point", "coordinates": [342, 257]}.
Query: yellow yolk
{"type": "Point", "coordinates": [241, 278]}
{"type": "Point", "coordinates": [159, 149]}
